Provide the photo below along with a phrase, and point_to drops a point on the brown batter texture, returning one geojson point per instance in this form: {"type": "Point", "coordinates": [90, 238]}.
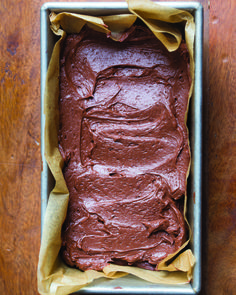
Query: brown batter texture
{"type": "Point", "coordinates": [124, 141]}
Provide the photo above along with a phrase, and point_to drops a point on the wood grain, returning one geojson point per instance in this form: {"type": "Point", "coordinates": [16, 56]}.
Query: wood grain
{"type": "Point", "coordinates": [222, 149]}
{"type": "Point", "coordinates": [19, 148]}
{"type": "Point", "coordinates": [20, 161]}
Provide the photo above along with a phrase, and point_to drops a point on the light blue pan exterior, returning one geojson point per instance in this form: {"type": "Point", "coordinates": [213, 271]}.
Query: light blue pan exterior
{"type": "Point", "coordinates": [130, 284]}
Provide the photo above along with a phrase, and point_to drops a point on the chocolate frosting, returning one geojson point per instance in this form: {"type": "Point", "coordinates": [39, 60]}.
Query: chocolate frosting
{"type": "Point", "coordinates": [124, 142]}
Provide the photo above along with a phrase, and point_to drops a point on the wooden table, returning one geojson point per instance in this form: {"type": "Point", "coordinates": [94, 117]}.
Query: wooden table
{"type": "Point", "coordinates": [20, 161]}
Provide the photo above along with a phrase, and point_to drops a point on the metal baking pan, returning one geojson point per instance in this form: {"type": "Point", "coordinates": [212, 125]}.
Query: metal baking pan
{"type": "Point", "coordinates": [130, 284]}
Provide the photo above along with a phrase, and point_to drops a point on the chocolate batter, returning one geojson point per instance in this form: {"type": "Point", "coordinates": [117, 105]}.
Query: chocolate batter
{"type": "Point", "coordinates": [124, 141]}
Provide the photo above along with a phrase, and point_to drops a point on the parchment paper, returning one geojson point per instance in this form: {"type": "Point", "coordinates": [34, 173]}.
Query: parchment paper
{"type": "Point", "coordinates": [54, 277]}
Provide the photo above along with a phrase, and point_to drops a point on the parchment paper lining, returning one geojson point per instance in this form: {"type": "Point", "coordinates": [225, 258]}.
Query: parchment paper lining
{"type": "Point", "coordinates": [54, 277]}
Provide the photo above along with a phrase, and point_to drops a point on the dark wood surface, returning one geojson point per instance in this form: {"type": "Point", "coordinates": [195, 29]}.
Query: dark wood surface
{"type": "Point", "coordinates": [20, 161]}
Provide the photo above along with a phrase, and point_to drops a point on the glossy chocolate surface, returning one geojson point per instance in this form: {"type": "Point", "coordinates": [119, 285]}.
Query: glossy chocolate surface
{"type": "Point", "coordinates": [124, 141]}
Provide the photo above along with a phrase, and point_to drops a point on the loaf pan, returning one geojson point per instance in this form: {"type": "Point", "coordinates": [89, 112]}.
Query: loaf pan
{"type": "Point", "coordinates": [130, 284]}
